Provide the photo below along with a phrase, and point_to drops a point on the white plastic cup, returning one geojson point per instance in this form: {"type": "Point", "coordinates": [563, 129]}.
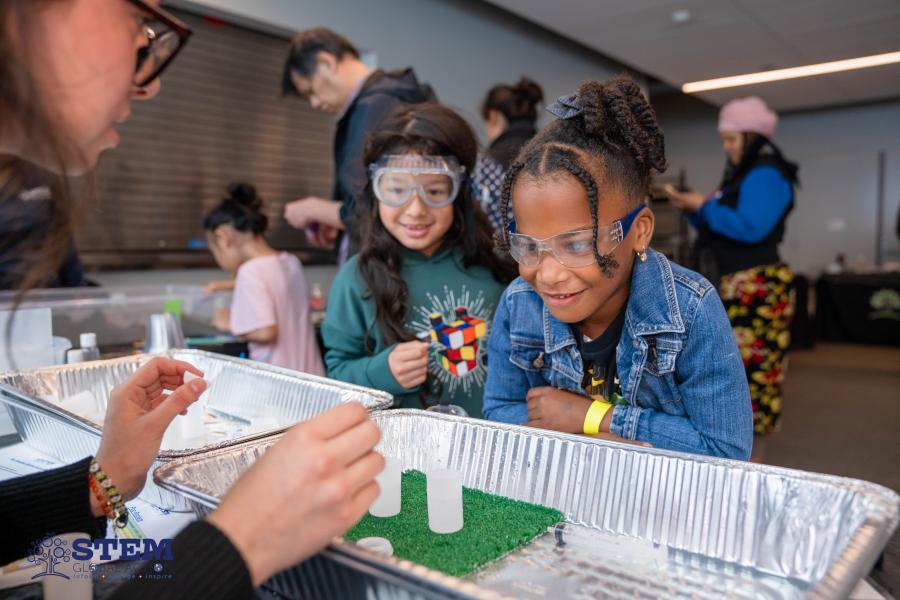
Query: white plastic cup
{"type": "Point", "coordinates": [192, 423]}
{"type": "Point", "coordinates": [192, 426]}
{"type": "Point", "coordinates": [75, 355]}
{"type": "Point", "coordinates": [445, 500]}
{"type": "Point", "coordinates": [61, 345]}
{"type": "Point", "coordinates": [387, 504]}
{"type": "Point", "coordinates": [172, 439]}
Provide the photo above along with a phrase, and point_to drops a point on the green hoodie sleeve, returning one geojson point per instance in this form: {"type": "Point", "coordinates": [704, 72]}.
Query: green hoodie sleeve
{"type": "Point", "coordinates": [347, 319]}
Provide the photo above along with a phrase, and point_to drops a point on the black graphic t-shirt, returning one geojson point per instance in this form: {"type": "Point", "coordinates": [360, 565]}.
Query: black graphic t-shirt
{"type": "Point", "coordinates": [601, 381]}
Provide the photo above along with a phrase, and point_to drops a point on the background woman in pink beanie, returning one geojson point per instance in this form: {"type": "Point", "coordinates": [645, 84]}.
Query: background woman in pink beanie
{"type": "Point", "coordinates": [740, 227]}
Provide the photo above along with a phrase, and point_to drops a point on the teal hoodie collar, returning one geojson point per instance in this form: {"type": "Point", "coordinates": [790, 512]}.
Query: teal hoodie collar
{"type": "Point", "coordinates": [414, 257]}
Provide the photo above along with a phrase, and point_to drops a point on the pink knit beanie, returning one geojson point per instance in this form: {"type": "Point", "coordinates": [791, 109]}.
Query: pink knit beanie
{"type": "Point", "coordinates": [748, 114]}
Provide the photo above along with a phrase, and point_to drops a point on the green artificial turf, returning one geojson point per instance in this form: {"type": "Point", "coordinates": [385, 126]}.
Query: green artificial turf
{"type": "Point", "coordinates": [493, 527]}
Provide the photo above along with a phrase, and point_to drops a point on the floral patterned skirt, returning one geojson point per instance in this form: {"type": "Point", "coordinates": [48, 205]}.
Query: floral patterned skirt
{"type": "Point", "coordinates": [760, 304]}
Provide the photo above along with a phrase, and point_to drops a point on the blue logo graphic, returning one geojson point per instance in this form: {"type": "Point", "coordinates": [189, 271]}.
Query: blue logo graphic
{"type": "Point", "coordinates": [50, 551]}
{"type": "Point", "coordinates": [145, 549]}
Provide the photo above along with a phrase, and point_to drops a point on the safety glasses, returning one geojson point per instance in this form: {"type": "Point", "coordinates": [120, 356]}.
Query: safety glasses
{"type": "Point", "coordinates": [434, 179]}
{"type": "Point", "coordinates": [571, 248]}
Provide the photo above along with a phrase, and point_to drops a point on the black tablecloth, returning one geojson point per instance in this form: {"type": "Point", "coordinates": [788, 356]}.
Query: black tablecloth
{"type": "Point", "coordinates": [861, 308]}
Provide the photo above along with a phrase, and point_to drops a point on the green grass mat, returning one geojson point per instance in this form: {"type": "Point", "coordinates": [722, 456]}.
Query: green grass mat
{"type": "Point", "coordinates": [493, 526]}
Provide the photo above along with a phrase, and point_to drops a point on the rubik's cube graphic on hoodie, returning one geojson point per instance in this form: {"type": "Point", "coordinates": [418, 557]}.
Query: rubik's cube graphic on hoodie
{"type": "Point", "coordinates": [460, 338]}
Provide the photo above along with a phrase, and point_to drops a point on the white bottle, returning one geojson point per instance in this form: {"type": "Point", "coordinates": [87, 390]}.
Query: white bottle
{"type": "Point", "coordinates": [316, 297]}
{"type": "Point", "coordinates": [88, 342]}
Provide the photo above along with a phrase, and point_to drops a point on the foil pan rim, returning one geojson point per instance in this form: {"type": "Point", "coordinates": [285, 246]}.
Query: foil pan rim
{"type": "Point", "coordinates": [837, 580]}
{"type": "Point", "coordinates": [886, 497]}
{"type": "Point", "coordinates": [10, 394]}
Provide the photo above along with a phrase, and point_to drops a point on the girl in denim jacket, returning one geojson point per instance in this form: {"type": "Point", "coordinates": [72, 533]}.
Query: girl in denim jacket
{"type": "Point", "coordinates": [600, 334]}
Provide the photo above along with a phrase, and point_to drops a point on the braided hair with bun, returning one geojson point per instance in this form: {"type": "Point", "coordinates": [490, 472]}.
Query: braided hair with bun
{"type": "Point", "coordinates": [613, 141]}
{"type": "Point", "coordinates": [242, 210]}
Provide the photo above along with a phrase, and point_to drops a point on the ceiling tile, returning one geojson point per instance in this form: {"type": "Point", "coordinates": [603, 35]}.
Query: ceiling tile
{"type": "Point", "coordinates": [732, 37]}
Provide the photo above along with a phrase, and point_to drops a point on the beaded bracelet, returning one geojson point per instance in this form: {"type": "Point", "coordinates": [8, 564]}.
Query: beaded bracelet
{"type": "Point", "coordinates": [111, 502]}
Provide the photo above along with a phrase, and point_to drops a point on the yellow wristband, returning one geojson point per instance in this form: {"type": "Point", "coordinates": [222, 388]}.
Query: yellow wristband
{"type": "Point", "coordinates": [595, 415]}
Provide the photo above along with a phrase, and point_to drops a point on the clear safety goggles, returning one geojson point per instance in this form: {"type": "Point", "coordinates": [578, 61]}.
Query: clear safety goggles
{"type": "Point", "coordinates": [571, 248]}
{"type": "Point", "coordinates": [434, 179]}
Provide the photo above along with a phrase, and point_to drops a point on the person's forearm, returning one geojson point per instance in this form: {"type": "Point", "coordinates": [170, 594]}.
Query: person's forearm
{"type": "Point", "coordinates": [504, 410]}
{"type": "Point", "coordinates": [205, 564]}
{"type": "Point", "coordinates": [329, 213]}
{"type": "Point", "coordinates": [52, 501]}
{"type": "Point", "coordinates": [671, 432]}
{"type": "Point", "coordinates": [222, 285]}
{"type": "Point", "coordinates": [265, 335]}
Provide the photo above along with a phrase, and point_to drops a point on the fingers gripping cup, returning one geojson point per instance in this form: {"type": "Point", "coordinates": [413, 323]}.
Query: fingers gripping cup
{"type": "Point", "coordinates": [445, 502]}
{"type": "Point", "coordinates": [388, 502]}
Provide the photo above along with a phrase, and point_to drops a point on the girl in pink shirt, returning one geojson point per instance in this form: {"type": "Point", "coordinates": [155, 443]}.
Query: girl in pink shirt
{"type": "Point", "coordinates": [270, 308]}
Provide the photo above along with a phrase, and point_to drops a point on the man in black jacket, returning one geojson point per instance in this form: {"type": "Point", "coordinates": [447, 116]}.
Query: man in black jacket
{"type": "Point", "coordinates": [326, 69]}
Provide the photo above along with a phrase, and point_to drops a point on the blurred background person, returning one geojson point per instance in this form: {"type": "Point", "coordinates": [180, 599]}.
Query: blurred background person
{"type": "Point", "coordinates": [740, 227]}
{"type": "Point", "coordinates": [510, 113]}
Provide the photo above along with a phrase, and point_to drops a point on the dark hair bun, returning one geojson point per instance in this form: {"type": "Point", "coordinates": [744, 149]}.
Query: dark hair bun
{"type": "Point", "coordinates": [529, 92]}
{"type": "Point", "coordinates": [242, 209]}
{"type": "Point", "coordinates": [617, 112]}
{"type": "Point", "coordinates": [244, 195]}
{"type": "Point", "coordinates": [515, 102]}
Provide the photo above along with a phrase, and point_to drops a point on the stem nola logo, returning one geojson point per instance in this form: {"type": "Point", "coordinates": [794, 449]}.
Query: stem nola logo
{"type": "Point", "coordinates": [72, 556]}
{"type": "Point", "coordinates": [49, 552]}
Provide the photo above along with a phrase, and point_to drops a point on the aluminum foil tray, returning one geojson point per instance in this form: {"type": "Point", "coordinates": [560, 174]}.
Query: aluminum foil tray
{"type": "Point", "coordinates": [639, 522]}
{"type": "Point", "coordinates": [246, 400]}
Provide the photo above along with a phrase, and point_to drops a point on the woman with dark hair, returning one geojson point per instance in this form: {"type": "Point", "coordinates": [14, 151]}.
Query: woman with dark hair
{"type": "Point", "coordinates": [740, 227]}
{"type": "Point", "coordinates": [426, 269]}
{"type": "Point", "coordinates": [270, 307]}
{"type": "Point", "coordinates": [510, 113]}
{"type": "Point", "coordinates": [70, 69]}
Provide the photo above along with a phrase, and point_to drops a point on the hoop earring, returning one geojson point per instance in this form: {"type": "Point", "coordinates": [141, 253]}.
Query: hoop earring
{"type": "Point", "coordinates": [642, 254]}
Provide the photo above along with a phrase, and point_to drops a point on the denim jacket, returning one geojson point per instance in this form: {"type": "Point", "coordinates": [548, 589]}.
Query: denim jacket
{"type": "Point", "coordinates": [679, 367]}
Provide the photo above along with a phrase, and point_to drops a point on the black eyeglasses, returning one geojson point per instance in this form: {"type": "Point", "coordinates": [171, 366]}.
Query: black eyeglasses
{"type": "Point", "coordinates": [166, 36]}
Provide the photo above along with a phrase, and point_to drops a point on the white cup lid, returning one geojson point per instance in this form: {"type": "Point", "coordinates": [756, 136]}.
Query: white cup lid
{"type": "Point", "coordinates": [379, 545]}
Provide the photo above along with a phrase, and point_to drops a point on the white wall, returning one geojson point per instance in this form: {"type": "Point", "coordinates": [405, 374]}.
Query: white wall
{"type": "Point", "coordinates": [837, 151]}
{"type": "Point", "coordinates": [461, 47]}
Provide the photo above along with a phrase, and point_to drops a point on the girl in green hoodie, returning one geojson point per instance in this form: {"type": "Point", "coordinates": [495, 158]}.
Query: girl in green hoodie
{"type": "Point", "coordinates": [411, 312]}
